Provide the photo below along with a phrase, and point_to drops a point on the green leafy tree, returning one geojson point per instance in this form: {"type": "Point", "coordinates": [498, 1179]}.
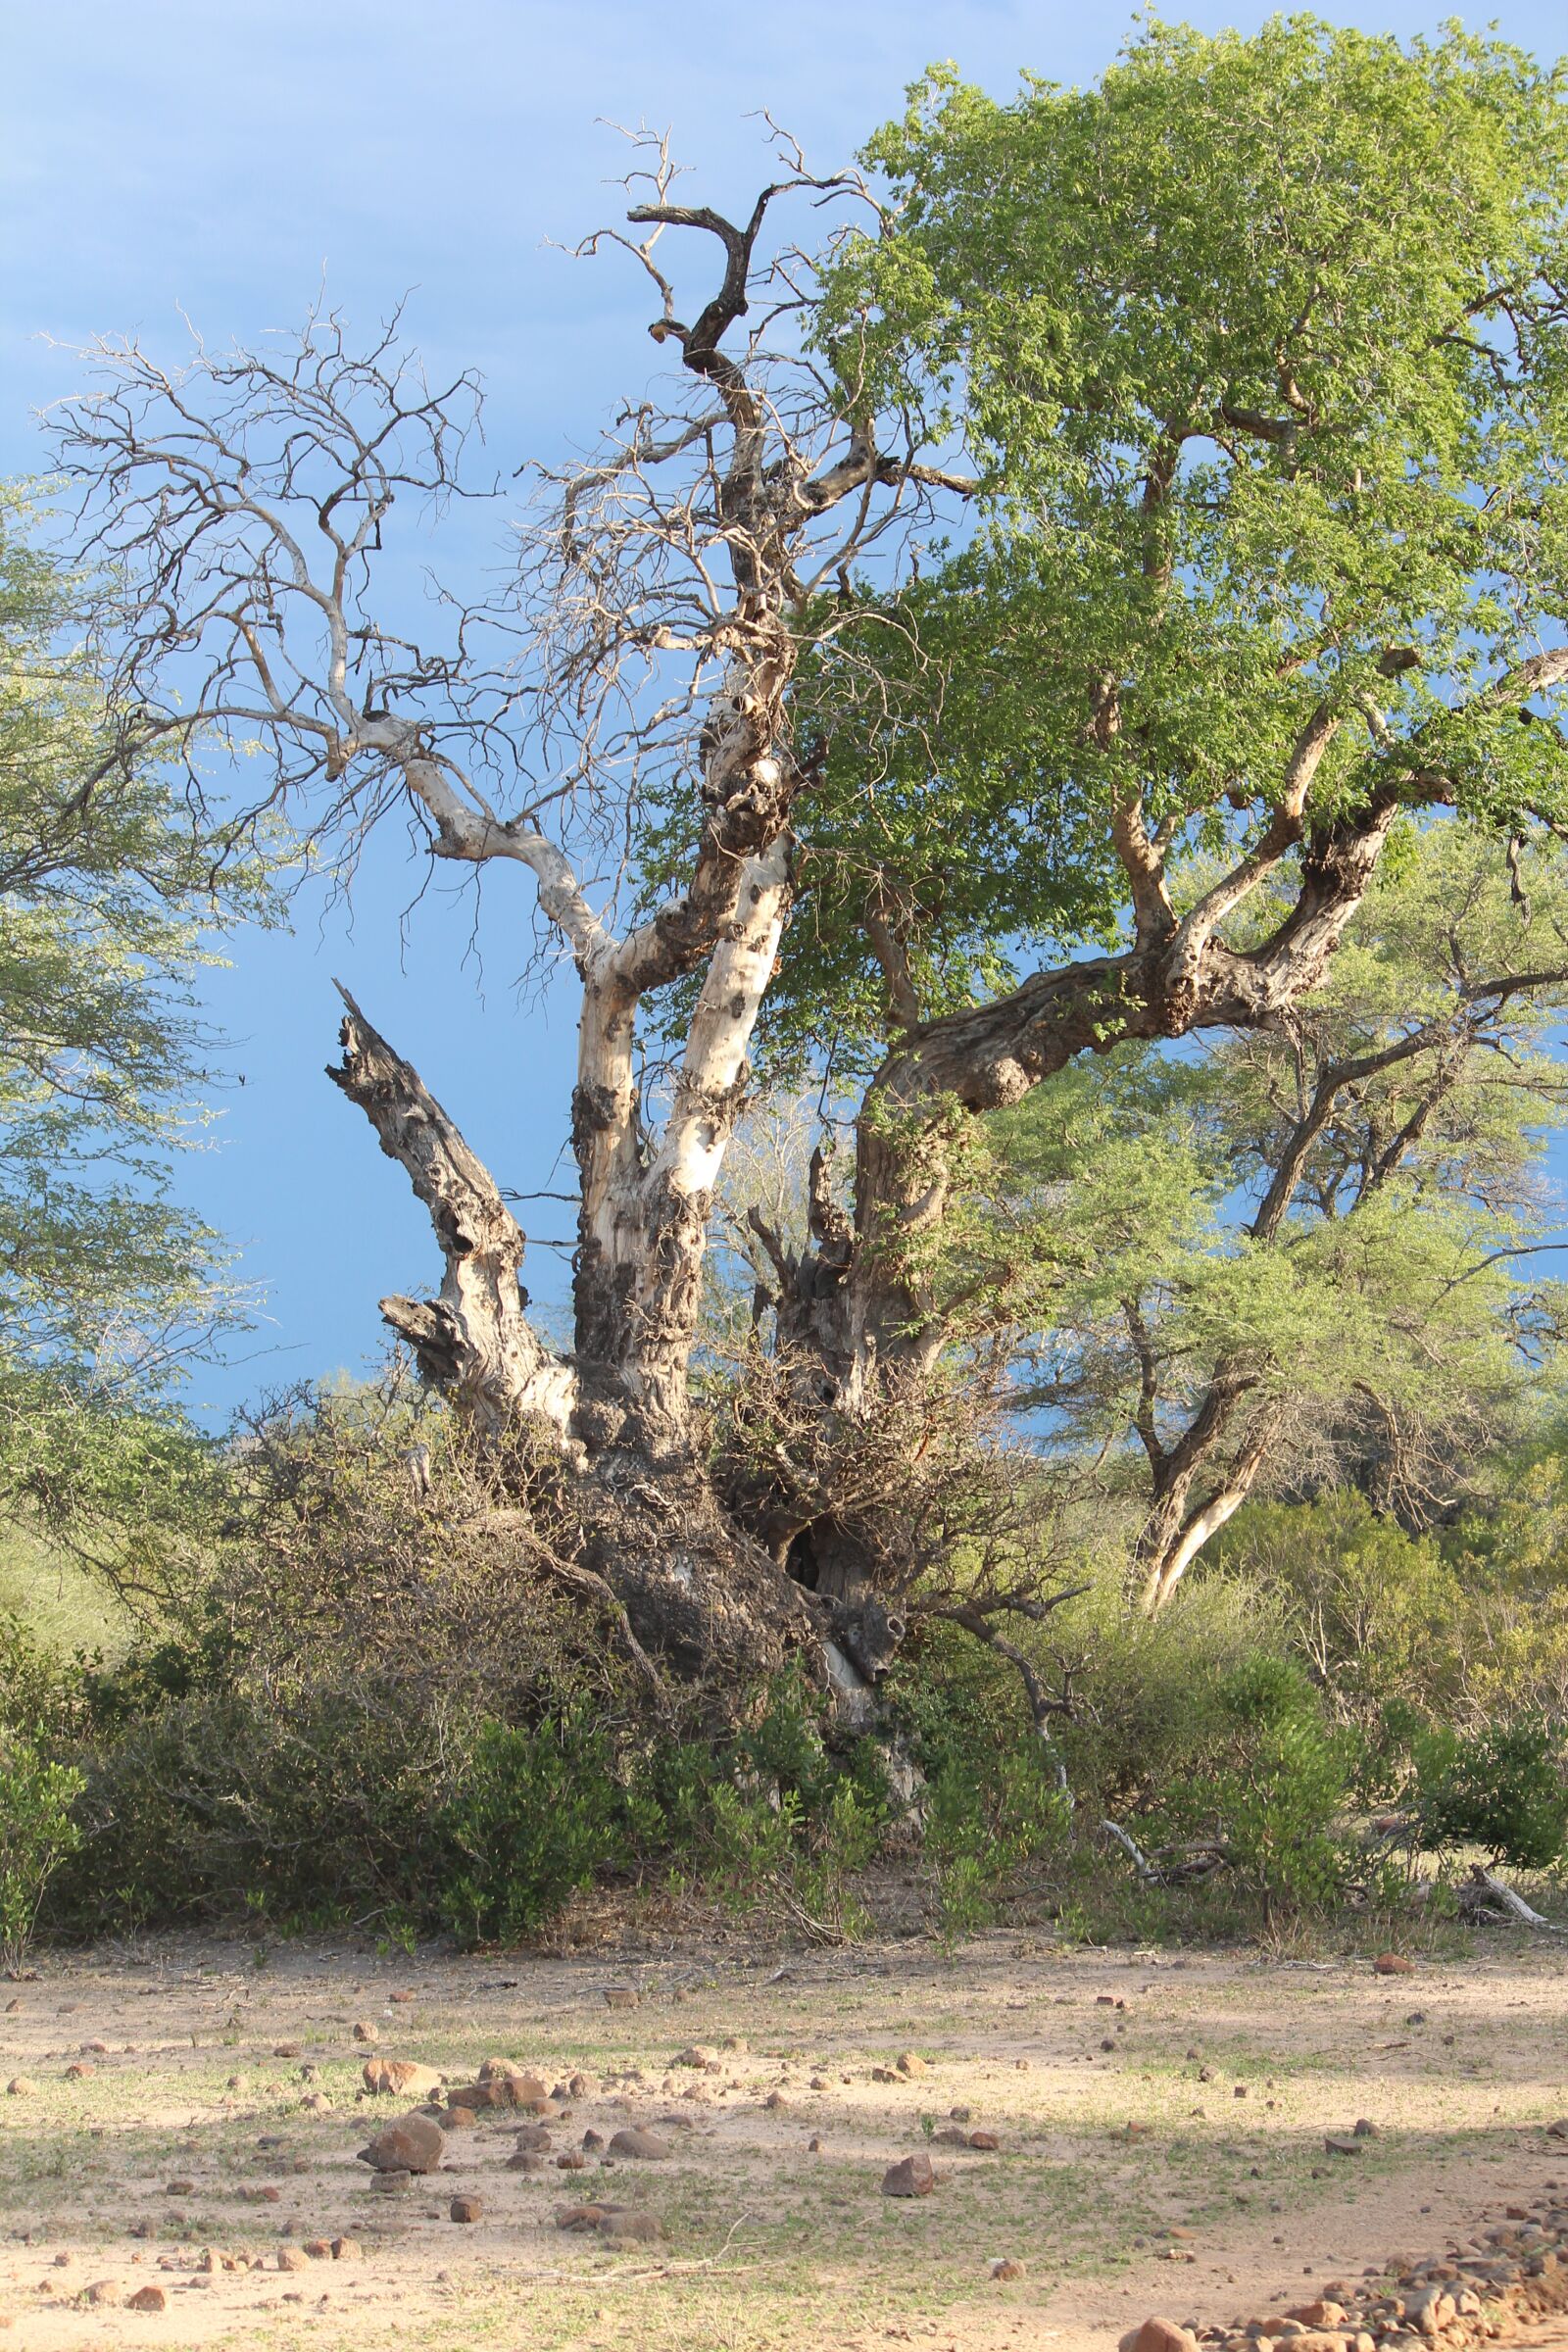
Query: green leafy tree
{"type": "Point", "coordinates": [110, 898]}
{"type": "Point", "coordinates": [1301, 1255]}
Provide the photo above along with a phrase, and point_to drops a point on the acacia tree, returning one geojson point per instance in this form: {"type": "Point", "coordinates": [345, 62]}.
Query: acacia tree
{"type": "Point", "coordinates": [1246, 364]}
{"type": "Point", "coordinates": [1304, 1253]}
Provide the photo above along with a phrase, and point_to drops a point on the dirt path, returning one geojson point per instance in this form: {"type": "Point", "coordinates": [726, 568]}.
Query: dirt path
{"type": "Point", "coordinates": [1161, 2124]}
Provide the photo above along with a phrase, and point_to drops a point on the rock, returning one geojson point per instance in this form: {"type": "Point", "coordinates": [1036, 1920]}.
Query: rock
{"type": "Point", "coordinates": [1003, 2266]}
{"type": "Point", "coordinates": [1318, 2313]}
{"type": "Point", "coordinates": [1365, 2130]}
{"type": "Point", "coordinates": [413, 2145]}
{"type": "Point", "coordinates": [571, 2162]}
{"type": "Point", "coordinates": [695, 2054]}
{"type": "Point", "coordinates": [316, 2249]}
{"type": "Point", "coordinates": [1159, 2335]}
{"type": "Point", "coordinates": [401, 2076]}
{"type": "Point", "coordinates": [621, 1997]}
{"type": "Point", "coordinates": [349, 2249]}
{"type": "Point", "coordinates": [1337, 2144]}
{"type": "Point", "coordinates": [21, 2087]}
{"type": "Point", "coordinates": [292, 2258]}
{"type": "Point", "coordinates": [646, 2147]}
{"type": "Point", "coordinates": [908, 2062]}
{"type": "Point", "coordinates": [628, 2225]}
{"type": "Point", "coordinates": [148, 2298]}
{"type": "Point", "coordinates": [286, 2049]}
{"type": "Point", "coordinates": [592, 2142]}
{"type": "Point", "coordinates": [458, 2119]}
{"type": "Point", "coordinates": [959, 2115]}
{"type": "Point", "coordinates": [180, 2189]}
{"type": "Point", "coordinates": [580, 2216]}
{"type": "Point", "coordinates": [910, 2176]}
{"type": "Point", "coordinates": [94, 2049]}
{"type": "Point", "coordinates": [363, 2030]}
{"type": "Point", "coordinates": [986, 2141]}
{"type": "Point", "coordinates": [813, 2146]}
{"type": "Point", "coordinates": [108, 2293]}
{"type": "Point", "coordinates": [403, 1999]}
{"type": "Point", "coordinates": [525, 2161]}
{"type": "Point", "coordinates": [535, 2138]}
{"type": "Point", "coordinates": [467, 2209]}
{"type": "Point", "coordinates": [1556, 2131]}
{"type": "Point", "coordinates": [774, 2100]}
{"type": "Point", "coordinates": [392, 2184]}
{"type": "Point", "coordinates": [1394, 1963]}
{"type": "Point", "coordinates": [316, 2102]}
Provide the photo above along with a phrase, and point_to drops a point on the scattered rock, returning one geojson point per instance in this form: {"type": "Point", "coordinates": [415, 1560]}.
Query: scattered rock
{"type": "Point", "coordinates": [908, 2062]}
{"type": "Point", "coordinates": [316, 2249]}
{"type": "Point", "coordinates": [363, 2030]}
{"type": "Point", "coordinates": [180, 2189]}
{"type": "Point", "coordinates": [1339, 2144]}
{"type": "Point", "coordinates": [467, 2209]}
{"type": "Point", "coordinates": [413, 2145]}
{"type": "Point", "coordinates": [1394, 1963]}
{"type": "Point", "coordinates": [458, 2119]}
{"type": "Point", "coordinates": [910, 2176]}
{"type": "Point", "coordinates": [697, 2054]}
{"type": "Point", "coordinates": [986, 2141]}
{"type": "Point", "coordinates": [286, 2049]}
{"type": "Point", "coordinates": [107, 2293]}
{"type": "Point", "coordinates": [774, 2100]}
{"type": "Point", "coordinates": [401, 2076]}
{"type": "Point", "coordinates": [621, 1997]}
{"type": "Point", "coordinates": [148, 2298]}
{"type": "Point", "coordinates": [349, 2249]}
{"type": "Point", "coordinates": [646, 2146]}
{"type": "Point", "coordinates": [1159, 2335]}
{"type": "Point", "coordinates": [1003, 2266]}
{"type": "Point", "coordinates": [525, 2161]}
{"type": "Point", "coordinates": [292, 2258]}
{"type": "Point", "coordinates": [20, 2088]}
{"type": "Point", "coordinates": [571, 2162]}
{"type": "Point", "coordinates": [534, 2137]}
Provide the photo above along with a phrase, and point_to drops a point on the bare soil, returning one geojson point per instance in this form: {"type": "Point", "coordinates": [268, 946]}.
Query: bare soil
{"type": "Point", "coordinates": [1161, 2119]}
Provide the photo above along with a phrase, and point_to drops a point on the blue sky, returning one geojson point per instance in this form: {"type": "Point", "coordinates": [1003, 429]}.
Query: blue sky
{"type": "Point", "coordinates": [168, 157]}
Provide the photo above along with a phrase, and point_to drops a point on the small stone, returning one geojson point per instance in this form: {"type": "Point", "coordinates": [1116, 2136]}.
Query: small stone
{"type": "Point", "coordinates": [291, 2258]}
{"type": "Point", "coordinates": [593, 2141]}
{"type": "Point", "coordinates": [1394, 1963]}
{"type": "Point", "coordinates": [571, 2162]}
{"type": "Point", "coordinates": [813, 2146]}
{"type": "Point", "coordinates": [986, 2141]}
{"type": "Point", "coordinates": [1339, 2144]}
{"type": "Point", "coordinates": [621, 1997]}
{"type": "Point", "coordinates": [959, 2115]}
{"type": "Point", "coordinates": [467, 2209]}
{"type": "Point", "coordinates": [316, 2249]}
{"type": "Point", "coordinates": [908, 2062]}
{"type": "Point", "coordinates": [697, 2054]}
{"type": "Point", "coordinates": [21, 2087]}
{"type": "Point", "coordinates": [1003, 2266]}
{"type": "Point", "coordinates": [148, 2298]}
{"type": "Point", "coordinates": [774, 2100]}
{"type": "Point", "coordinates": [525, 2161]}
{"type": "Point", "coordinates": [363, 2030]}
{"type": "Point", "coordinates": [1364, 2129]}
{"type": "Point", "coordinates": [349, 2249]}
{"type": "Point", "coordinates": [403, 1999]}
{"type": "Point", "coordinates": [286, 2049]}
{"type": "Point", "coordinates": [646, 2147]}
{"type": "Point", "coordinates": [910, 2176]}
{"type": "Point", "coordinates": [458, 2119]}
{"type": "Point", "coordinates": [180, 2189]}
{"type": "Point", "coordinates": [535, 2138]}
{"type": "Point", "coordinates": [108, 2293]}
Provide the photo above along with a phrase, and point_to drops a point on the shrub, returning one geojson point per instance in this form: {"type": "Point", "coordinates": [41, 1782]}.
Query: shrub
{"type": "Point", "coordinates": [534, 1817]}
{"type": "Point", "coordinates": [37, 1833]}
{"type": "Point", "coordinates": [1502, 1788]}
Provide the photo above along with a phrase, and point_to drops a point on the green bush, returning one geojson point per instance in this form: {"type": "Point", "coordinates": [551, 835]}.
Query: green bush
{"type": "Point", "coordinates": [1502, 1788]}
{"type": "Point", "coordinates": [37, 1833]}
{"type": "Point", "coordinates": [536, 1815]}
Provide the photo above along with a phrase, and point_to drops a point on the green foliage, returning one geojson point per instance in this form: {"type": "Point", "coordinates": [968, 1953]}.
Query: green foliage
{"type": "Point", "coordinates": [533, 1818]}
{"type": "Point", "coordinates": [36, 1835]}
{"type": "Point", "coordinates": [1502, 1788]}
{"type": "Point", "coordinates": [1230, 480]}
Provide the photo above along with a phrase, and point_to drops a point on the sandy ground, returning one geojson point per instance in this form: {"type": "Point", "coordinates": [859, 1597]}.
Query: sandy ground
{"type": "Point", "coordinates": [1161, 2122]}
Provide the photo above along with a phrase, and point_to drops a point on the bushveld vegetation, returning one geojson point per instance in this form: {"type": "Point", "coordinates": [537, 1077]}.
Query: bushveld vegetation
{"type": "Point", "coordinates": [1066, 1384]}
